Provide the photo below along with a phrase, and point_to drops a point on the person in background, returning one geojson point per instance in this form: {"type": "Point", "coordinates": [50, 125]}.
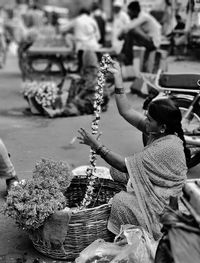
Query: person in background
{"type": "Point", "coordinates": [7, 170]}
{"type": "Point", "coordinates": [3, 43]}
{"type": "Point", "coordinates": [167, 18]}
{"type": "Point", "coordinates": [180, 23]}
{"type": "Point", "coordinates": [143, 30]}
{"type": "Point", "coordinates": [100, 18]}
{"type": "Point", "coordinates": [33, 17]}
{"type": "Point", "coordinates": [120, 20]}
{"type": "Point", "coordinates": [82, 91]}
{"type": "Point", "coordinates": [86, 33]}
{"type": "Point", "coordinates": [179, 38]}
{"type": "Point", "coordinates": [152, 175]}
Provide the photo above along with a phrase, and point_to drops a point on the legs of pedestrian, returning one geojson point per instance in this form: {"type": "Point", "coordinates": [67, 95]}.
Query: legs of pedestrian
{"type": "Point", "coordinates": [135, 37]}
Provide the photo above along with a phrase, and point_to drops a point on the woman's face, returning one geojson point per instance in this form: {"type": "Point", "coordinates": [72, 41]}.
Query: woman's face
{"type": "Point", "coordinates": [152, 126]}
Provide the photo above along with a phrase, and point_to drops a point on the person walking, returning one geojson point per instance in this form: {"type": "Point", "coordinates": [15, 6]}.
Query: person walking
{"type": "Point", "coordinates": [86, 33]}
{"type": "Point", "coordinates": [100, 17]}
{"type": "Point", "coordinates": [120, 20]}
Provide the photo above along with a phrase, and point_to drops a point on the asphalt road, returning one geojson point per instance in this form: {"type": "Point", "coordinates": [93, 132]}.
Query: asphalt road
{"type": "Point", "coordinates": [29, 138]}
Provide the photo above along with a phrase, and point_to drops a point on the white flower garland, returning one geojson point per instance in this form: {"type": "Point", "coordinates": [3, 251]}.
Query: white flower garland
{"type": "Point", "coordinates": [90, 172]}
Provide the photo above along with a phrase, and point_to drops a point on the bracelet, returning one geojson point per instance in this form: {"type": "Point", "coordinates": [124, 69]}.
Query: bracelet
{"type": "Point", "coordinates": [119, 91]}
{"type": "Point", "coordinates": [104, 151]}
{"type": "Point", "coordinates": [99, 149]}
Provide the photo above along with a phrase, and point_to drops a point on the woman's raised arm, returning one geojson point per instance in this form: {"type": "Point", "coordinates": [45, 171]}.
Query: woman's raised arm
{"type": "Point", "coordinates": [126, 110]}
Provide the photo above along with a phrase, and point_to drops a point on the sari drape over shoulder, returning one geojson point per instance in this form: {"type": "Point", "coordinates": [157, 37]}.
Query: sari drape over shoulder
{"type": "Point", "coordinates": [155, 174]}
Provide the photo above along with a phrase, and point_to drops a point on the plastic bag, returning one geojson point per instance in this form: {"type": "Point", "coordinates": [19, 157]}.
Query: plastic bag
{"type": "Point", "coordinates": [132, 245]}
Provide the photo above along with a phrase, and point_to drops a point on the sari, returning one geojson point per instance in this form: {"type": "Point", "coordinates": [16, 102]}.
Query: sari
{"type": "Point", "coordinates": [154, 174]}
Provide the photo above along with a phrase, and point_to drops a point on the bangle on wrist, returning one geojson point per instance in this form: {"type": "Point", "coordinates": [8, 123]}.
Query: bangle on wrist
{"type": "Point", "coordinates": [119, 91]}
{"type": "Point", "coordinates": [98, 149]}
{"type": "Point", "coordinates": [103, 151]}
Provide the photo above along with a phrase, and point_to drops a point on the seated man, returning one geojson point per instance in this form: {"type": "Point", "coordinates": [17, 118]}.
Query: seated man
{"type": "Point", "coordinates": [143, 30]}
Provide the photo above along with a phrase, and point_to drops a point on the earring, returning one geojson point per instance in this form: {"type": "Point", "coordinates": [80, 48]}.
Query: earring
{"type": "Point", "coordinates": [162, 131]}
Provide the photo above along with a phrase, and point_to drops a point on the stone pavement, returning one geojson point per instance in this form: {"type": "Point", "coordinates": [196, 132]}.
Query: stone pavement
{"type": "Point", "coordinates": [29, 138]}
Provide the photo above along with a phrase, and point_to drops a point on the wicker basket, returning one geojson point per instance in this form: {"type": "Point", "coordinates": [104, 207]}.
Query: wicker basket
{"type": "Point", "coordinates": [87, 225]}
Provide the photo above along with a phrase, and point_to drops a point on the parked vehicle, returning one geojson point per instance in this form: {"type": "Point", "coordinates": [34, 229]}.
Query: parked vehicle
{"type": "Point", "coordinates": [184, 89]}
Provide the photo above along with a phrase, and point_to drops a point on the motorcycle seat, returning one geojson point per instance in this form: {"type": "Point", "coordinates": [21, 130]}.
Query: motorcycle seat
{"type": "Point", "coordinates": [182, 81]}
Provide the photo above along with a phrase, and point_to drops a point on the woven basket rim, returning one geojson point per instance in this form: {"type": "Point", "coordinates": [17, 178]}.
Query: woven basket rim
{"type": "Point", "coordinates": [75, 210]}
{"type": "Point", "coordinates": [84, 209]}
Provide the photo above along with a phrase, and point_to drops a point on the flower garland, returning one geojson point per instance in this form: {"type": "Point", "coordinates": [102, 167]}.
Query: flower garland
{"type": "Point", "coordinates": [44, 92]}
{"type": "Point", "coordinates": [98, 100]}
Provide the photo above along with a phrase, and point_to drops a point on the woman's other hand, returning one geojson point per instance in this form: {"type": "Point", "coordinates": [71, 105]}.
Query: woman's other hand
{"type": "Point", "coordinates": [88, 139]}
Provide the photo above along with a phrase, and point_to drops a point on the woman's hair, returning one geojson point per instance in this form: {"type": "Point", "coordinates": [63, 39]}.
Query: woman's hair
{"type": "Point", "coordinates": [165, 111]}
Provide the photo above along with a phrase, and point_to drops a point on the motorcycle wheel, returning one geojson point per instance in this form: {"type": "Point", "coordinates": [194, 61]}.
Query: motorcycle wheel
{"type": "Point", "coordinates": [190, 125]}
{"type": "Point", "coordinates": [194, 122]}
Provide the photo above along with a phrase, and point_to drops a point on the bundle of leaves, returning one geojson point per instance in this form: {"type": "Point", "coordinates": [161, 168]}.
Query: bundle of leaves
{"type": "Point", "coordinates": [31, 203]}
{"type": "Point", "coordinates": [58, 170]}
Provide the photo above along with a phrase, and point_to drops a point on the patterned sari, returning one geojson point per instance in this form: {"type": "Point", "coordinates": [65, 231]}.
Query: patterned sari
{"type": "Point", "coordinates": [154, 174]}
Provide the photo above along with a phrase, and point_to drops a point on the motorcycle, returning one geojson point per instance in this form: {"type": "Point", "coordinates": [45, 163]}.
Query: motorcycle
{"type": "Point", "coordinates": [184, 90]}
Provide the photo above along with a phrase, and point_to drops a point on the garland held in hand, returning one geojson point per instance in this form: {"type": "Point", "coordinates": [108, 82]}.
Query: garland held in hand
{"type": "Point", "coordinates": [90, 172]}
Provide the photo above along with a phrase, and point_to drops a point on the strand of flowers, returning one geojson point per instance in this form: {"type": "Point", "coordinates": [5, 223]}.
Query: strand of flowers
{"type": "Point", "coordinates": [90, 172]}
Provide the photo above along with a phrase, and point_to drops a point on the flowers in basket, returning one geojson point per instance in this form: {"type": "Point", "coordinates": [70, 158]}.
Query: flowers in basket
{"type": "Point", "coordinates": [44, 92]}
{"type": "Point", "coordinates": [31, 202]}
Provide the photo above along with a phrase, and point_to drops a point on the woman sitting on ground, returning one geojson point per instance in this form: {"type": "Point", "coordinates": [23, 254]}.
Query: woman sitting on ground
{"type": "Point", "coordinates": [153, 175]}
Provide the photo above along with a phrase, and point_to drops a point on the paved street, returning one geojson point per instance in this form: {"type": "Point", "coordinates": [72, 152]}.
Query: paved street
{"type": "Point", "coordinates": [28, 138]}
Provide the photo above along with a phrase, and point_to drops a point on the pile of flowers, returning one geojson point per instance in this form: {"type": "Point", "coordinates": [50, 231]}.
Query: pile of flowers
{"type": "Point", "coordinates": [44, 92]}
{"type": "Point", "coordinates": [31, 202]}
{"type": "Point", "coordinates": [59, 170]}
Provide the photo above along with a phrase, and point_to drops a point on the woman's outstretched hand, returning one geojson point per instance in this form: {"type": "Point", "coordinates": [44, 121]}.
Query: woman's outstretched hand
{"type": "Point", "coordinates": [86, 138]}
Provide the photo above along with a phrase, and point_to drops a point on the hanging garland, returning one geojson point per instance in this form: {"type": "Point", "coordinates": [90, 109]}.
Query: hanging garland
{"type": "Point", "coordinates": [98, 100]}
